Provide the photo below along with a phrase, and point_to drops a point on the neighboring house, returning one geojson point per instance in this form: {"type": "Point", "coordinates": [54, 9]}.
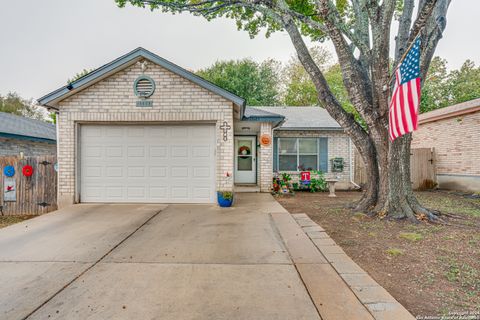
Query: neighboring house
{"type": "Point", "coordinates": [142, 129]}
{"type": "Point", "coordinates": [24, 135]}
{"type": "Point", "coordinates": [454, 132]}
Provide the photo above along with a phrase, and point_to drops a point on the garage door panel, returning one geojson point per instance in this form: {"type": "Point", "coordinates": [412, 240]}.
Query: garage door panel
{"type": "Point", "coordinates": [201, 172]}
{"type": "Point", "coordinates": [114, 172]}
{"type": "Point", "coordinates": [179, 132]}
{"type": "Point", "coordinates": [114, 193]}
{"type": "Point", "coordinates": [136, 192]}
{"type": "Point", "coordinates": [155, 163]}
{"type": "Point", "coordinates": [158, 152]}
{"type": "Point", "coordinates": [179, 172]}
{"type": "Point", "coordinates": [135, 151]}
{"type": "Point", "coordinates": [158, 172]}
{"type": "Point", "coordinates": [114, 151]}
{"type": "Point", "coordinates": [179, 151]}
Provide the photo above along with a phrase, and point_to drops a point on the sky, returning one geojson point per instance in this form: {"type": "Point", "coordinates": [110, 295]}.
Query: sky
{"type": "Point", "coordinates": [44, 43]}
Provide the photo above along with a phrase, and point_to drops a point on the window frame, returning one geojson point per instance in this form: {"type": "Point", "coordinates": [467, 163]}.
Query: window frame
{"type": "Point", "coordinates": [297, 143]}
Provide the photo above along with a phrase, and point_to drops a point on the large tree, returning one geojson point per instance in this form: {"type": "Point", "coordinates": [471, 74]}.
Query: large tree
{"type": "Point", "coordinates": [443, 88]}
{"type": "Point", "coordinates": [13, 103]}
{"type": "Point", "coordinates": [256, 82]}
{"type": "Point", "coordinates": [361, 31]}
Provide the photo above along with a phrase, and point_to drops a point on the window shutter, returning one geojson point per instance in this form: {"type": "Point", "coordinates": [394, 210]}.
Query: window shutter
{"type": "Point", "coordinates": [275, 154]}
{"type": "Point", "coordinates": [323, 154]}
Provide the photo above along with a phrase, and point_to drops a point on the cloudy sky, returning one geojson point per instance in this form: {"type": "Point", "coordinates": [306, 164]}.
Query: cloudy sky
{"type": "Point", "coordinates": [43, 43]}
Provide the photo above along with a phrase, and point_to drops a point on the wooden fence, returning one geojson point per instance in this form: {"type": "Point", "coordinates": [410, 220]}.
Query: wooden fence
{"type": "Point", "coordinates": [36, 194]}
{"type": "Point", "coordinates": [422, 169]}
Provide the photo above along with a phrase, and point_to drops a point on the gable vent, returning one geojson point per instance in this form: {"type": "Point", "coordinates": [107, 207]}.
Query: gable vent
{"type": "Point", "coordinates": [144, 87]}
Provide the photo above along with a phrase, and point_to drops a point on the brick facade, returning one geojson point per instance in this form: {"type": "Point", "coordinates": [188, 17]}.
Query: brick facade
{"type": "Point", "coordinates": [456, 140]}
{"type": "Point", "coordinates": [13, 147]}
{"type": "Point", "coordinates": [338, 146]}
{"type": "Point", "coordinates": [266, 159]}
{"type": "Point", "coordinates": [112, 100]}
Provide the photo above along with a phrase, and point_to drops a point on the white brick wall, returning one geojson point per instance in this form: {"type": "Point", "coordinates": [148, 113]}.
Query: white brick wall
{"type": "Point", "coordinates": [112, 100]}
{"type": "Point", "coordinates": [266, 159]}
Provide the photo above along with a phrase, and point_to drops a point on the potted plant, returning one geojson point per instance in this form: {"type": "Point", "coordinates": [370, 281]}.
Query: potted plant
{"type": "Point", "coordinates": [225, 198]}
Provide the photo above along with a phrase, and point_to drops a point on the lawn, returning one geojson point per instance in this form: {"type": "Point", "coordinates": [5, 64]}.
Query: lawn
{"type": "Point", "coordinates": [8, 220]}
{"type": "Point", "coordinates": [430, 269]}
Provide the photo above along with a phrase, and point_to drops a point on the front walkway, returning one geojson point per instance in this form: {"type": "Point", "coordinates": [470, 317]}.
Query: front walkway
{"type": "Point", "coordinates": [252, 261]}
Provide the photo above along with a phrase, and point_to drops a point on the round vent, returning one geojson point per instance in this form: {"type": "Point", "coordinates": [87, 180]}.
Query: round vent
{"type": "Point", "coordinates": [144, 87]}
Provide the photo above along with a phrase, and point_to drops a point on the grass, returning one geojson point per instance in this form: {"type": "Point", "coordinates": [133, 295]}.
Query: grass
{"type": "Point", "coordinates": [411, 236]}
{"type": "Point", "coordinates": [5, 221]}
{"type": "Point", "coordinates": [452, 203]}
{"type": "Point", "coordinates": [394, 252]}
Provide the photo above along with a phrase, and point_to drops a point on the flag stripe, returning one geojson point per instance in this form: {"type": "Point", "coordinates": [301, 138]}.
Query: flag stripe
{"type": "Point", "coordinates": [410, 108]}
{"type": "Point", "coordinates": [403, 114]}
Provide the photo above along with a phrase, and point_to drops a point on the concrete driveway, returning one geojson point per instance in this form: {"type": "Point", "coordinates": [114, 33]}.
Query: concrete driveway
{"type": "Point", "coordinates": [151, 262]}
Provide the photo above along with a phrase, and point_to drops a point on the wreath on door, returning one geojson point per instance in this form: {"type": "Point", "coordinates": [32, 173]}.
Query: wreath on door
{"type": "Point", "coordinates": [244, 152]}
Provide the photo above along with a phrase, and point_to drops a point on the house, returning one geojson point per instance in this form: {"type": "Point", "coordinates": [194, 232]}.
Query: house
{"type": "Point", "coordinates": [142, 129]}
{"type": "Point", "coordinates": [454, 133]}
{"type": "Point", "coordinates": [24, 135]}
{"type": "Point", "coordinates": [310, 139]}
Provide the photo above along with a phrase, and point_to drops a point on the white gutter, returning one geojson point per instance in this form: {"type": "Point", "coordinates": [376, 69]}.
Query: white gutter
{"type": "Point", "coordinates": [351, 164]}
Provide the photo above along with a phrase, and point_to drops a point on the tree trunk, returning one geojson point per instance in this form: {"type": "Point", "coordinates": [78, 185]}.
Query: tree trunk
{"type": "Point", "coordinates": [391, 196]}
{"type": "Point", "coordinates": [370, 196]}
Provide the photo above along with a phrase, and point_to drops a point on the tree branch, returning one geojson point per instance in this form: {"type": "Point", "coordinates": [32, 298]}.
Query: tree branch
{"type": "Point", "coordinates": [433, 32]}
{"type": "Point", "coordinates": [325, 95]}
{"type": "Point", "coordinates": [403, 29]}
{"type": "Point", "coordinates": [423, 15]}
{"type": "Point", "coordinates": [355, 77]}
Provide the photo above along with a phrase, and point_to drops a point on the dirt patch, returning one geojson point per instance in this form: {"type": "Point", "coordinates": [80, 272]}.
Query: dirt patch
{"type": "Point", "coordinates": [8, 220]}
{"type": "Point", "coordinates": [430, 269]}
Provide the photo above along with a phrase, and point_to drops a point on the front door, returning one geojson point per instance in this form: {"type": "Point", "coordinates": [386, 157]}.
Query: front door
{"type": "Point", "coordinates": [245, 159]}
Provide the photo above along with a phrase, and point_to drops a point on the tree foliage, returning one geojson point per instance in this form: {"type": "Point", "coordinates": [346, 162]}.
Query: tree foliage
{"type": "Point", "coordinates": [258, 83]}
{"type": "Point", "coordinates": [79, 75]}
{"type": "Point", "coordinates": [443, 88]}
{"type": "Point", "coordinates": [13, 103]}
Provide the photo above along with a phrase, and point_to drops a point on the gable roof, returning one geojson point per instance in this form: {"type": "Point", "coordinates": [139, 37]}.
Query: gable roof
{"type": "Point", "coordinates": [129, 59]}
{"type": "Point", "coordinates": [451, 111]}
{"type": "Point", "coordinates": [13, 125]}
{"type": "Point", "coordinates": [298, 118]}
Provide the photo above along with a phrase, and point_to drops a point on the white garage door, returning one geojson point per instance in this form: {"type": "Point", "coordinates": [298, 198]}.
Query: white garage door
{"type": "Point", "coordinates": [147, 163]}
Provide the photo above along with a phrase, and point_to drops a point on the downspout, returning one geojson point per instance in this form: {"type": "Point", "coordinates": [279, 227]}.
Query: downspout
{"type": "Point", "coordinates": [351, 164]}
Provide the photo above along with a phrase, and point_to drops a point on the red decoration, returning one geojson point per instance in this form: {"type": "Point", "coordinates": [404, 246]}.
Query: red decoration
{"type": "Point", "coordinates": [305, 176]}
{"type": "Point", "coordinates": [27, 171]}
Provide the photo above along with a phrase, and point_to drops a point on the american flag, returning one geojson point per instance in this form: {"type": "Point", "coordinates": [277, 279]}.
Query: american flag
{"type": "Point", "coordinates": [403, 114]}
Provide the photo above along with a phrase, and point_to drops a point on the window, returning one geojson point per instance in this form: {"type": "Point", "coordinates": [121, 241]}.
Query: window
{"type": "Point", "coordinates": [298, 154]}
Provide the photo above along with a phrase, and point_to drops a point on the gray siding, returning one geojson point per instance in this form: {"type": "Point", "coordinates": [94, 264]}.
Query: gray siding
{"type": "Point", "coordinates": [13, 147]}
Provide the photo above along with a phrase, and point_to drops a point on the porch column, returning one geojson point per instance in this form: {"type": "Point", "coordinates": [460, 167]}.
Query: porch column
{"type": "Point", "coordinates": [266, 157]}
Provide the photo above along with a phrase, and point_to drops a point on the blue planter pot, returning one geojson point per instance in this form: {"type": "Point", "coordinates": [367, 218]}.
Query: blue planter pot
{"type": "Point", "coordinates": [222, 202]}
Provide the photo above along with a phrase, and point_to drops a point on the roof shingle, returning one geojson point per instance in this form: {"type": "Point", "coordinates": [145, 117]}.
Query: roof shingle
{"type": "Point", "coordinates": [297, 118]}
{"type": "Point", "coordinates": [21, 126]}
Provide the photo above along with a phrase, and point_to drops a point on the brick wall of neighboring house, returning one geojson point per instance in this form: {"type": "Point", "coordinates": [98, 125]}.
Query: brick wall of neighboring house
{"type": "Point", "coordinates": [112, 100]}
{"type": "Point", "coordinates": [338, 146]}
{"type": "Point", "coordinates": [13, 147]}
{"type": "Point", "coordinates": [457, 149]}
